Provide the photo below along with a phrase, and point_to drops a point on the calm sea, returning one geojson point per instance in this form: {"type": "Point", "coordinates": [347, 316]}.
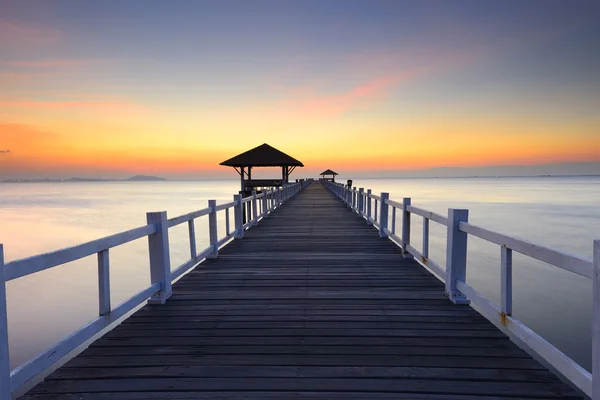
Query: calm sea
{"type": "Point", "coordinates": [560, 212]}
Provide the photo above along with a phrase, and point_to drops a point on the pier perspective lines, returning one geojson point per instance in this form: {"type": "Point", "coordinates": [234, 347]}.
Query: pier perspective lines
{"type": "Point", "coordinates": [311, 304]}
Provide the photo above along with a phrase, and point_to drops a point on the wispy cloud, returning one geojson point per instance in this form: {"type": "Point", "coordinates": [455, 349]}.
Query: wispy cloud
{"type": "Point", "coordinates": [310, 102]}
{"type": "Point", "coordinates": [25, 33]}
{"type": "Point", "coordinates": [23, 75]}
{"type": "Point", "coordinates": [43, 64]}
{"type": "Point", "coordinates": [96, 107]}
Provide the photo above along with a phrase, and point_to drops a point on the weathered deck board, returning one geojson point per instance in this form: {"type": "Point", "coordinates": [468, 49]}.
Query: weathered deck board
{"type": "Point", "coordinates": [311, 304]}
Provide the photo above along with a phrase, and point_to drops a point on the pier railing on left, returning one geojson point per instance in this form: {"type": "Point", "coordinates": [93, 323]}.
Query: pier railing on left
{"type": "Point", "coordinates": [382, 212]}
{"type": "Point", "coordinates": [254, 207]}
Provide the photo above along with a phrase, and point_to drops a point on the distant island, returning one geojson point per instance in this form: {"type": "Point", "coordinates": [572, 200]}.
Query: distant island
{"type": "Point", "coordinates": [145, 178]}
{"type": "Point", "coordinates": [137, 178]}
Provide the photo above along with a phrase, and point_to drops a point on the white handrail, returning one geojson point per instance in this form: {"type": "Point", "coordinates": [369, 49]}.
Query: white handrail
{"type": "Point", "coordinates": [459, 291]}
{"type": "Point", "coordinates": [26, 266]}
{"type": "Point", "coordinates": [570, 262]}
{"type": "Point", "coordinates": [161, 274]}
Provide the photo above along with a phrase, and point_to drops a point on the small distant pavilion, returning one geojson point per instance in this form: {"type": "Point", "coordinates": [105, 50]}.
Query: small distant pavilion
{"type": "Point", "coordinates": [262, 156]}
{"type": "Point", "coordinates": [328, 175]}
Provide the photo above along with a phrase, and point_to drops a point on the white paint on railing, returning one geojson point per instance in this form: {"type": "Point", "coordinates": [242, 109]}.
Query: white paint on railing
{"type": "Point", "coordinates": [361, 199]}
{"type": "Point", "coordinates": [225, 206]}
{"type": "Point", "coordinates": [213, 234]}
{"type": "Point", "coordinates": [456, 255]}
{"type": "Point", "coordinates": [440, 219]}
{"type": "Point", "coordinates": [4, 353]}
{"type": "Point", "coordinates": [31, 368]}
{"type": "Point", "coordinates": [238, 216]}
{"type": "Point", "coordinates": [40, 262]}
{"type": "Point", "coordinates": [596, 322]}
{"type": "Point", "coordinates": [577, 375]}
{"type": "Point", "coordinates": [425, 237]}
{"type": "Point", "coordinates": [428, 263]}
{"type": "Point", "coordinates": [160, 259]}
{"type": "Point", "coordinates": [383, 215]}
{"type": "Point", "coordinates": [103, 283]}
{"type": "Point", "coordinates": [579, 265]}
{"type": "Point", "coordinates": [192, 238]}
{"type": "Point", "coordinates": [254, 208]}
{"type": "Point", "coordinates": [506, 280]}
{"type": "Point", "coordinates": [369, 207]}
{"type": "Point", "coordinates": [405, 226]}
{"type": "Point", "coordinates": [188, 217]}
{"type": "Point", "coordinates": [183, 268]}
{"type": "Point", "coordinates": [394, 203]}
{"type": "Point", "coordinates": [265, 206]}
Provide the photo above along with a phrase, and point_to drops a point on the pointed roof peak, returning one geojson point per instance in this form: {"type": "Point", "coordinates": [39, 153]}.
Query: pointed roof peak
{"type": "Point", "coordinates": [264, 155]}
{"type": "Point", "coordinates": [328, 172]}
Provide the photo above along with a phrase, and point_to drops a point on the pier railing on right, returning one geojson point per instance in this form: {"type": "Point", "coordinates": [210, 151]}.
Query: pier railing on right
{"type": "Point", "coordinates": [256, 207]}
{"type": "Point", "coordinates": [376, 210]}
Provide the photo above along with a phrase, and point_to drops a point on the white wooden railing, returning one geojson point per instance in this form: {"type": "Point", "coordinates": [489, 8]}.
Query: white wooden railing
{"type": "Point", "coordinates": [375, 209]}
{"type": "Point", "coordinates": [257, 206]}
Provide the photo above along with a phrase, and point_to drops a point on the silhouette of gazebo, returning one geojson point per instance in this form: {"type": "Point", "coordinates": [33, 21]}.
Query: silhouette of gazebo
{"type": "Point", "coordinates": [262, 156]}
{"type": "Point", "coordinates": [326, 175]}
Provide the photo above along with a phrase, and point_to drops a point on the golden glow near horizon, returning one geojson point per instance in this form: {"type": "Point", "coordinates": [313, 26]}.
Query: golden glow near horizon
{"type": "Point", "coordinates": [394, 106]}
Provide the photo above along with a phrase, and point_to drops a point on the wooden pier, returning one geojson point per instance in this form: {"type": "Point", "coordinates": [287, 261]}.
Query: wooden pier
{"type": "Point", "coordinates": [310, 304]}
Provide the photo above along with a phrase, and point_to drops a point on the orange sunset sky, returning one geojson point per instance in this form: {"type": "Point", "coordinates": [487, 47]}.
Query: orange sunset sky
{"type": "Point", "coordinates": [111, 89]}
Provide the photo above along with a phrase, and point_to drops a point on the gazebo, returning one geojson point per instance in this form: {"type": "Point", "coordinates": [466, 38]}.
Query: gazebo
{"type": "Point", "coordinates": [325, 175]}
{"type": "Point", "coordinates": [262, 156]}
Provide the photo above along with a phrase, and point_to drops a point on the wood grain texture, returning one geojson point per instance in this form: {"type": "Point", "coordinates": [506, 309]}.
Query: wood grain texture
{"type": "Point", "coordinates": [311, 304]}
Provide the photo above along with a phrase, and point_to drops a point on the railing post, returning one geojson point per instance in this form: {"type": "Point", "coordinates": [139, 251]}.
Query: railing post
{"type": "Point", "coordinates": [425, 237]}
{"type": "Point", "coordinates": [279, 196]}
{"type": "Point", "coordinates": [369, 207]}
{"type": "Point", "coordinates": [506, 280]}
{"type": "Point", "coordinates": [213, 234]}
{"type": "Point", "coordinates": [406, 227]}
{"type": "Point", "coordinates": [265, 203]}
{"type": "Point", "coordinates": [103, 283]}
{"type": "Point", "coordinates": [4, 356]}
{"type": "Point", "coordinates": [354, 199]}
{"type": "Point", "coordinates": [238, 216]}
{"type": "Point", "coordinates": [254, 208]}
{"type": "Point", "coordinates": [596, 323]}
{"type": "Point", "coordinates": [192, 235]}
{"type": "Point", "coordinates": [383, 215]}
{"type": "Point", "coordinates": [361, 201]}
{"type": "Point", "coordinates": [160, 260]}
{"type": "Point", "coordinates": [456, 255]}
{"type": "Point", "coordinates": [349, 197]}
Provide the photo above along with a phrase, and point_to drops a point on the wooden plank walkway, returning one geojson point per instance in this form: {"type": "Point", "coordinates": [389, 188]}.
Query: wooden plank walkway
{"type": "Point", "coordinates": [311, 304]}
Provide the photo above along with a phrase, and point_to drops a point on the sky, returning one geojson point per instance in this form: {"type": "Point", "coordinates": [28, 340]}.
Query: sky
{"type": "Point", "coordinates": [373, 88]}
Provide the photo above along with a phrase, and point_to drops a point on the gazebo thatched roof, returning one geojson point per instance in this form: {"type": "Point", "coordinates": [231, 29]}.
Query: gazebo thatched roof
{"type": "Point", "coordinates": [262, 156]}
{"type": "Point", "coordinates": [329, 172]}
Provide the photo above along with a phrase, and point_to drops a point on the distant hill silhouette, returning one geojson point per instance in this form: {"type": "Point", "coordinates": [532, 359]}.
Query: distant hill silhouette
{"type": "Point", "coordinates": [145, 178]}
{"type": "Point", "coordinates": [137, 178]}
